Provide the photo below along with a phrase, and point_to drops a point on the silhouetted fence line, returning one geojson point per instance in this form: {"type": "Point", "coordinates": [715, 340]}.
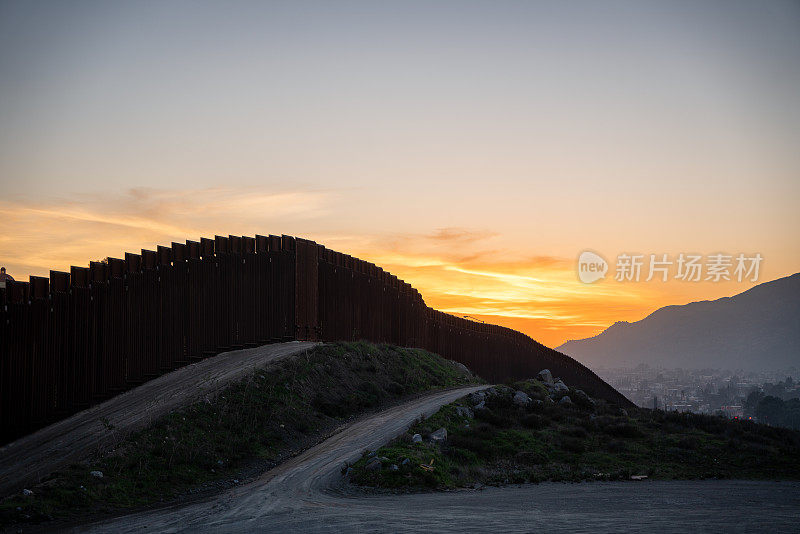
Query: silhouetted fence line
{"type": "Point", "coordinates": [79, 338]}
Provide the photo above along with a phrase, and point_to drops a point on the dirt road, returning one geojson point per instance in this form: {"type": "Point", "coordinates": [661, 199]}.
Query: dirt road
{"type": "Point", "coordinates": [75, 438]}
{"type": "Point", "coordinates": [302, 483]}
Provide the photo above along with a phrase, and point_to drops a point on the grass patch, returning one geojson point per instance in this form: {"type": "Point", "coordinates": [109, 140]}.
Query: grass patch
{"type": "Point", "coordinates": [586, 440]}
{"type": "Point", "coordinates": [285, 407]}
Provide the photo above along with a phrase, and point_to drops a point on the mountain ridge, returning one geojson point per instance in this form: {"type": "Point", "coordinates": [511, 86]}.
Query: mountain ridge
{"type": "Point", "coordinates": [756, 329]}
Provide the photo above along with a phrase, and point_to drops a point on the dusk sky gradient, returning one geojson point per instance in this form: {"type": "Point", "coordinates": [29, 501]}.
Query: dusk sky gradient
{"type": "Point", "coordinates": [474, 149]}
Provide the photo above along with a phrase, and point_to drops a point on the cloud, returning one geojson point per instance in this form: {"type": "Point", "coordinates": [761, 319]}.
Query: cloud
{"type": "Point", "coordinates": [40, 235]}
{"type": "Point", "coordinates": [462, 235]}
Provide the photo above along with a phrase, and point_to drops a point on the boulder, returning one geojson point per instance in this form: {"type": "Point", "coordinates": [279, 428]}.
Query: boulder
{"type": "Point", "coordinates": [521, 398]}
{"type": "Point", "coordinates": [463, 411]}
{"type": "Point", "coordinates": [477, 397]}
{"type": "Point", "coordinates": [560, 386]}
{"type": "Point", "coordinates": [481, 406]}
{"type": "Point", "coordinates": [463, 368]}
{"type": "Point", "coordinates": [565, 400]}
{"type": "Point", "coordinates": [416, 438]}
{"type": "Point", "coordinates": [96, 474]}
{"type": "Point", "coordinates": [582, 398]}
{"type": "Point", "coordinates": [405, 461]}
{"type": "Point", "coordinates": [373, 465]}
{"type": "Point", "coordinates": [439, 435]}
{"type": "Point", "coordinates": [394, 467]}
{"type": "Point", "coordinates": [545, 376]}
{"type": "Point", "coordinates": [27, 492]}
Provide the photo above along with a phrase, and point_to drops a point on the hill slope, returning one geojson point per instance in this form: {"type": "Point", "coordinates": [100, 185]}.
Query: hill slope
{"type": "Point", "coordinates": [755, 330]}
{"type": "Point", "coordinates": [535, 432]}
{"type": "Point", "coordinates": [262, 406]}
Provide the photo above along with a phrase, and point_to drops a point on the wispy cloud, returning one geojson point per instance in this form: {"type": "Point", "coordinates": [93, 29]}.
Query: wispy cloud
{"type": "Point", "coordinates": [57, 233]}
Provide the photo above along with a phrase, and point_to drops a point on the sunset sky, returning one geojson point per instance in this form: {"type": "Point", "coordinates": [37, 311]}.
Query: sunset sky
{"type": "Point", "coordinates": [473, 149]}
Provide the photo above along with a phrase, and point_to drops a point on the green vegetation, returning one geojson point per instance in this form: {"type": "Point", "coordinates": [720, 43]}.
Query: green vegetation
{"type": "Point", "coordinates": [253, 424]}
{"type": "Point", "coordinates": [774, 410]}
{"type": "Point", "coordinates": [508, 443]}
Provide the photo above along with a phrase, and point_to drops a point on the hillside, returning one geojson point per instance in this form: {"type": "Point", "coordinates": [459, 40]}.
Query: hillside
{"type": "Point", "coordinates": [268, 414]}
{"type": "Point", "coordinates": [758, 329]}
{"type": "Point", "coordinates": [537, 431]}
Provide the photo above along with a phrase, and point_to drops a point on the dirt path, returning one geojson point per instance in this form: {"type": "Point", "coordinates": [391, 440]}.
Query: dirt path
{"type": "Point", "coordinates": [302, 483]}
{"type": "Point", "coordinates": [28, 459]}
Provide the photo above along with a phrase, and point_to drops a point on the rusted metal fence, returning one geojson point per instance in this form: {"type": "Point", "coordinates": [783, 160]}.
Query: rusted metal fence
{"type": "Point", "coordinates": [79, 338]}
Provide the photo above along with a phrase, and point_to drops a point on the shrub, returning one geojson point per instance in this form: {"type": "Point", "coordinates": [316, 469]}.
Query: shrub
{"type": "Point", "coordinates": [493, 418]}
{"type": "Point", "coordinates": [691, 443]}
{"type": "Point", "coordinates": [623, 430]}
{"type": "Point", "coordinates": [481, 448]}
{"type": "Point", "coordinates": [571, 444]}
{"type": "Point", "coordinates": [536, 422]}
{"type": "Point", "coordinates": [615, 445]}
{"type": "Point", "coordinates": [575, 432]}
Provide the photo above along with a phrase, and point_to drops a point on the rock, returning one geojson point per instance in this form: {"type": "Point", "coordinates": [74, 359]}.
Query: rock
{"type": "Point", "coordinates": [439, 436]}
{"type": "Point", "coordinates": [481, 405]}
{"type": "Point", "coordinates": [521, 398]}
{"type": "Point", "coordinates": [373, 465]}
{"type": "Point", "coordinates": [545, 376]}
{"type": "Point", "coordinates": [560, 386]}
{"type": "Point", "coordinates": [565, 400]}
{"type": "Point", "coordinates": [416, 438]}
{"type": "Point", "coordinates": [394, 467]}
{"type": "Point", "coordinates": [27, 492]}
{"type": "Point", "coordinates": [477, 397]}
{"type": "Point", "coordinates": [463, 411]}
{"type": "Point", "coordinates": [383, 459]}
{"type": "Point", "coordinates": [582, 398]}
{"type": "Point", "coordinates": [372, 454]}
{"type": "Point", "coordinates": [97, 474]}
{"type": "Point", "coordinates": [638, 477]}
{"type": "Point", "coordinates": [405, 461]}
{"type": "Point", "coordinates": [537, 403]}
{"type": "Point", "coordinates": [463, 368]}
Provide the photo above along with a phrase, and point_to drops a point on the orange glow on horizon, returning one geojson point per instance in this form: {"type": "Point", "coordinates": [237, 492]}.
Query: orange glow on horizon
{"type": "Point", "coordinates": [452, 268]}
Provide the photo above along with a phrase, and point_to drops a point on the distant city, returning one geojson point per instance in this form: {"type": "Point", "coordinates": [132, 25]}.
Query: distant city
{"type": "Point", "coordinates": [737, 394]}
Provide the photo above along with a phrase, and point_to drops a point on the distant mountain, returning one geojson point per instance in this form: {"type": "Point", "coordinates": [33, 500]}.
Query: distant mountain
{"type": "Point", "coordinates": [755, 330]}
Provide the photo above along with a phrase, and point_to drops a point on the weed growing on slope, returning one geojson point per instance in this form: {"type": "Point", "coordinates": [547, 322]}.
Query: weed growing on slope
{"type": "Point", "coordinates": [505, 442]}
